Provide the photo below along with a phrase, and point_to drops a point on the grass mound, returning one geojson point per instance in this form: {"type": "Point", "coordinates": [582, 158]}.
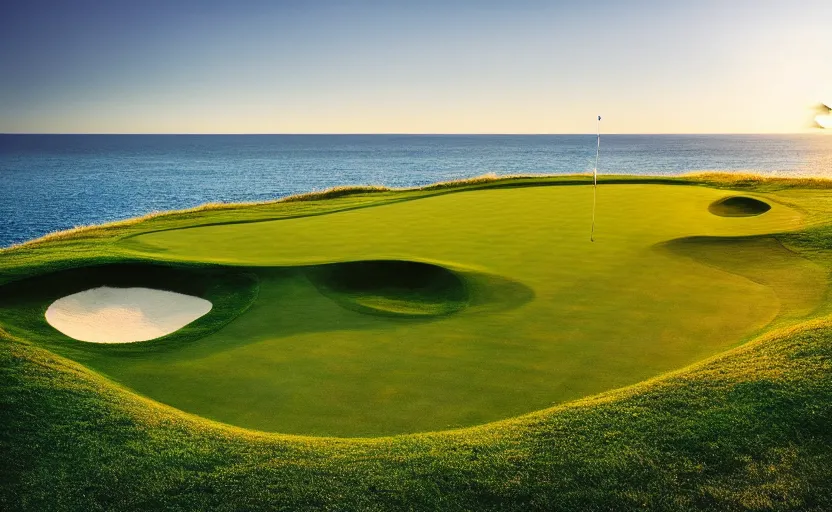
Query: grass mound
{"type": "Point", "coordinates": [739, 206]}
{"type": "Point", "coordinates": [390, 287]}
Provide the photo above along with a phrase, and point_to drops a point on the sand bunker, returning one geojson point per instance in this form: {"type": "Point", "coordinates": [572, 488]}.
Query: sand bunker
{"type": "Point", "coordinates": [124, 315]}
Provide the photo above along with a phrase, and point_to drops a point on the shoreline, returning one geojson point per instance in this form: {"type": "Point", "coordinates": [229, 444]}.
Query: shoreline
{"type": "Point", "coordinates": [712, 178]}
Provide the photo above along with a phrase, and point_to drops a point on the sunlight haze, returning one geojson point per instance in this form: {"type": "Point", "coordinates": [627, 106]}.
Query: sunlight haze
{"type": "Point", "coordinates": [428, 67]}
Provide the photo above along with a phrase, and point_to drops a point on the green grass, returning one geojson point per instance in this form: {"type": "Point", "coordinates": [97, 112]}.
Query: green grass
{"type": "Point", "coordinates": [514, 311]}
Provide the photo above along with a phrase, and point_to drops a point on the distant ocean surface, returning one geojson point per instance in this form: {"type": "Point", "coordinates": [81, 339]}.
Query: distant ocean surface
{"type": "Point", "coordinates": [53, 182]}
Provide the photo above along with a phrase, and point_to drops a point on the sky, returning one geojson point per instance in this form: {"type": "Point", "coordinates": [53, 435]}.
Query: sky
{"type": "Point", "coordinates": [451, 66]}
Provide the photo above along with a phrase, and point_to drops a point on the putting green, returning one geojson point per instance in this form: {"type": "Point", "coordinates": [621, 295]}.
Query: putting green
{"type": "Point", "coordinates": [458, 309]}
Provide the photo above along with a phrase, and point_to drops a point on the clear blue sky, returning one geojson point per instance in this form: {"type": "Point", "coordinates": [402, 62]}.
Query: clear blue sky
{"type": "Point", "coordinates": [183, 66]}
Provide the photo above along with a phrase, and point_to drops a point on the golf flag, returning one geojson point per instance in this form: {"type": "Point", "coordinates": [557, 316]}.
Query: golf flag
{"type": "Point", "coordinates": [595, 181]}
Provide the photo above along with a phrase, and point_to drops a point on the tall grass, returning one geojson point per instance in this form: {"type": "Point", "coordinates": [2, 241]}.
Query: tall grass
{"type": "Point", "coordinates": [747, 180]}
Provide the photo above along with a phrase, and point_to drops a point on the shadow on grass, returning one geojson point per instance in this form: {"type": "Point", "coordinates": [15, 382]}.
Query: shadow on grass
{"type": "Point", "coordinates": [391, 287]}
{"type": "Point", "coordinates": [281, 301]}
{"type": "Point", "coordinates": [739, 206]}
{"type": "Point", "coordinates": [799, 283]}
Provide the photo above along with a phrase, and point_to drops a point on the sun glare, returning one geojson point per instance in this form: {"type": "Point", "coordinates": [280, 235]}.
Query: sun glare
{"type": "Point", "coordinates": [824, 119]}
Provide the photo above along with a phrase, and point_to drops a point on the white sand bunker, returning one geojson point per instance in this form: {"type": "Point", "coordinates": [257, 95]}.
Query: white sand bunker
{"type": "Point", "coordinates": [124, 315]}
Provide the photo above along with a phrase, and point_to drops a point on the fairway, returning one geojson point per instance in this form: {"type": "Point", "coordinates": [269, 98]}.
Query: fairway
{"type": "Point", "coordinates": [452, 310]}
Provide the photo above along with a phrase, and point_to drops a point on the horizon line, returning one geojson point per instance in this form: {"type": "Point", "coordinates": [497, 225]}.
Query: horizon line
{"type": "Point", "coordinates": [423, 134]}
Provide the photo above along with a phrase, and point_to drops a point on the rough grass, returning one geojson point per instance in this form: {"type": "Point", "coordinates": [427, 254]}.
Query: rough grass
{"type": "Point", "coordinates": [756, 181]}
{"type": "Point", "coordinates": [746, 430]}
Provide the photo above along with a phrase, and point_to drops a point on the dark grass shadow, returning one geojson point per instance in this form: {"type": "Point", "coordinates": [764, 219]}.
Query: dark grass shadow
{"type": "Point", "coordinates": [492, 293]}
{"type": "Point", "coordinates": [739, 206]}
{"type": "Point", "coordinates": [800, 284]}
{"type": "Point", "coordinates": [415, 290]}
{"type": "Point", "coordinates": [391, 287]}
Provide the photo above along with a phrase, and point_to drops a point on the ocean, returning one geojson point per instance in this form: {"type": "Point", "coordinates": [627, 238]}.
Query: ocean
{"type": "Point", "coordinates": [54, 182]}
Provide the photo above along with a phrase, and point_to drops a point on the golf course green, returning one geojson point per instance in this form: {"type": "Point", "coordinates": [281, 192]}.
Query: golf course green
{"type": "Point", "coordinates": [478, 314]}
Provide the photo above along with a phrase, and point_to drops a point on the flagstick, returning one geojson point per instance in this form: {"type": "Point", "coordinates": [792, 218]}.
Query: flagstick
{"type": "Point", "coordinates": [595, 182]}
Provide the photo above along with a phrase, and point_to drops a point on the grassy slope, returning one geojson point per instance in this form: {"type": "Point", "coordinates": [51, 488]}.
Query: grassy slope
{"type": "Point", "coordinates": [600, 316]}
{"type": "Point", "coordinates": [587, 330]}
{"type": "Point", "coordinates": [744, 431]}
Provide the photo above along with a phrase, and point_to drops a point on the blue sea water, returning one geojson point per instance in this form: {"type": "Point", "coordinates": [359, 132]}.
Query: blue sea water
{"type": "Point", "coordinates": [53, 182]}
